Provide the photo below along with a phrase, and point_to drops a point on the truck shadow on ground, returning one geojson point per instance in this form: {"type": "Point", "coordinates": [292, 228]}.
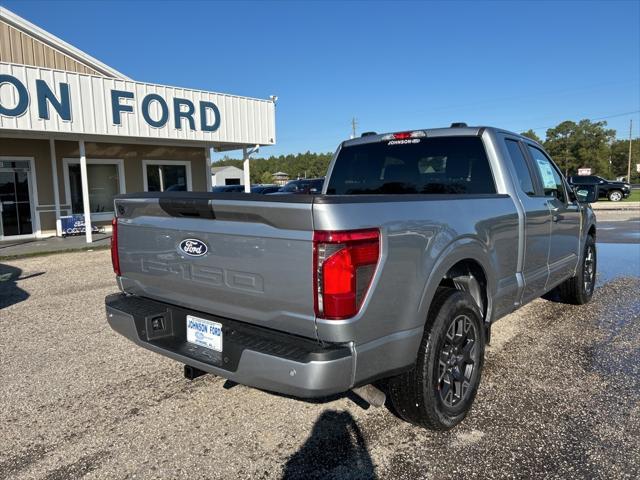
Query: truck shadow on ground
{"type": "Point", "coordinates": [335, 448]}
{"type": "Point", "coordinates": [10, 292]}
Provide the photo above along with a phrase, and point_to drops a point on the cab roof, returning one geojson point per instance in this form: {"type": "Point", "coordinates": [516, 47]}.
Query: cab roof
{"type": "Point", "coordinates": [453, 131]}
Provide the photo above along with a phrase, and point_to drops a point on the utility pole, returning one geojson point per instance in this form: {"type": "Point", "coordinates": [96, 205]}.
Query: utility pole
{"type": "Point", "coordinates": [354, 124]}
{"type": "Point", "coordinates": [629, 164]}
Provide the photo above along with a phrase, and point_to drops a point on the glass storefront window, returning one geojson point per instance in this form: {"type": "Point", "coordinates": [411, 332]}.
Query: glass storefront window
{"type": "Point", "coordinates": [166, 178]}
{"type": "Point", "coordinates": [104, 184]}
{"type": "Point", "coordinates": [15, 203]}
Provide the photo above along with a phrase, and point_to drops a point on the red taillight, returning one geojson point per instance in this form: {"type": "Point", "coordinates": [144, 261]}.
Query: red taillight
{"type": "Point", "coordinates": [344, 264]}
{"type": "Point", "coordinates": [115, 259]}
{"type": "Point", "coordinates": [402, 135]}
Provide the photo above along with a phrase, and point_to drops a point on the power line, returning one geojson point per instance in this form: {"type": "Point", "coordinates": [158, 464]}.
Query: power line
{"type": "Point", "coordinates": [464, 107]}
{"type": "Point", "coordinates": [596, 118]}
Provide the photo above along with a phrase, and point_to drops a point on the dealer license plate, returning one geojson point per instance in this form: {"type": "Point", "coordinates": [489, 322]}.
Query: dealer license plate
{"type": "Point", "coordinates": [204, 333]}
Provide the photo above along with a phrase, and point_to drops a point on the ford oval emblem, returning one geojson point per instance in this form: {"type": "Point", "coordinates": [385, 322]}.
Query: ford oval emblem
{"type": "Point", "coordinates": [193, 247]}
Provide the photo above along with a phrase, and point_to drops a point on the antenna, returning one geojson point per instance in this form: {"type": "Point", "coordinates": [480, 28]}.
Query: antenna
{"type": "Point", "coordinates": [354, 124]}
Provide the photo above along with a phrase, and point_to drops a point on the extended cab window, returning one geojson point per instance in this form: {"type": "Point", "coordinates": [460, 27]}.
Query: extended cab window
{"type": "Point", "coordinates": [550, 177]}
{"type": "Point", "coordinates": [450, 165]}
{"type": "Point", "coordinates": [520, 164]}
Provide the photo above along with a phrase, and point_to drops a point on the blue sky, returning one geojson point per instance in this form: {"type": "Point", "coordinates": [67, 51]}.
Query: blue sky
{"type": "Point", "coordinates": [393, 66]}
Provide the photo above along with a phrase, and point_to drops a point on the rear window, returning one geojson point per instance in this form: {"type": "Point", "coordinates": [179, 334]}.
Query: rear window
{"type": "Point", "coordinates": [450, 165]}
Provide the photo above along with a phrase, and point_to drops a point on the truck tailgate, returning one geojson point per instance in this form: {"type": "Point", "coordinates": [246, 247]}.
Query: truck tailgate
{"type": "Point", "coordinates": [257, 267]}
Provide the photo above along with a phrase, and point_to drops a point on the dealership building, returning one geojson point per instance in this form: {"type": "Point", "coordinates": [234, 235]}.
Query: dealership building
{"type": "Point", "coordinates": [74, 132]}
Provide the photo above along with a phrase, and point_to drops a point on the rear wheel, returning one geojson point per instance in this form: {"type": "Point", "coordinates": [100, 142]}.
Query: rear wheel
{"type": "Point", "coordinates": [578, 290]}
{"type": "Point", "coordinates": [439, 391]}
{"type": "Point", "coordinates": [615, 195]}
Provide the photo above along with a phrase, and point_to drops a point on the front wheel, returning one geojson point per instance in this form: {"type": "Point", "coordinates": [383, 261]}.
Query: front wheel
{"type": "Point", "coordinates": [615, 195]}
{"type": "Point", "coordinates": [578, 290]}
{"type": "Point", "coordinates": [439, 391]}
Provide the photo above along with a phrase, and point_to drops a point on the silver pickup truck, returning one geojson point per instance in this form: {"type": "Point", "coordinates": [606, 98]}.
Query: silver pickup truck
{"type": "Point", "coordinates": [418, 242]}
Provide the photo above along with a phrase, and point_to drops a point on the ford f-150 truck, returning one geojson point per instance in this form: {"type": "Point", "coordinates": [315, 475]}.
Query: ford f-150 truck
{"type": "Point", "coordinates": [417, 243]}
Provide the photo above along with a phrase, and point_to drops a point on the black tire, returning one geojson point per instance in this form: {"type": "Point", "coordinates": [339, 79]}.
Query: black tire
{"type": "Point", "coordinates": [578, 290]}
{"type": "Point", "coordinates": [615, 195]}
{"type": "Point", "coordinates": [420, 396]}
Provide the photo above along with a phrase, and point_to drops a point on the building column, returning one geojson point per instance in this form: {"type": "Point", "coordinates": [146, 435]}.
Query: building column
{"type": "Point", "coordinates": [245, 167]}
{"type": "Point", "coordinates": [54, 177]}
{"type": "Point", "coordinates": [208, 155]}
{"type": "Point", "coordinates": [85, 193]}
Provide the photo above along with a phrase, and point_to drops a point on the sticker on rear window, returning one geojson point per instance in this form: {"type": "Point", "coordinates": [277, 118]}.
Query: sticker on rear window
{"type": "Point", "coordinates": [404, 142]}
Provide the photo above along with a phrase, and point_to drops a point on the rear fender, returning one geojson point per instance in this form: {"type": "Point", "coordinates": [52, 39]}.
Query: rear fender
{"type": "Point", "coordinates": [467, 248]}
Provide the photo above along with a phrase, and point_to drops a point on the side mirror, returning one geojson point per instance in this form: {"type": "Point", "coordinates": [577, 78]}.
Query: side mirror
{"type": "Point", "coordinates": [586, 193]}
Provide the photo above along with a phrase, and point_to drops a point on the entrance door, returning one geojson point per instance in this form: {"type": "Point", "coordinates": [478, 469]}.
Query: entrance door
{"type": "Point", "coordinates": [15, 202]}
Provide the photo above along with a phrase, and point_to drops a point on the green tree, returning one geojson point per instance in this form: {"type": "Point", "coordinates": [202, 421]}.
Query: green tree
{"type": "Point", "coordinates": [532, 135]}
{"type": "Point", "coordinates": [307, 164]}
{"type": "Point", "coordinates": [266, 177]}
{"type": "Point", "coordinates": [584, 144]}
{"type": "Point", "coordinates": [620, 158]}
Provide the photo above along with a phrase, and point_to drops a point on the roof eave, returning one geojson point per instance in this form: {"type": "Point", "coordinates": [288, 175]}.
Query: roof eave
{"type": "Point", "coordinates": [58, 44]}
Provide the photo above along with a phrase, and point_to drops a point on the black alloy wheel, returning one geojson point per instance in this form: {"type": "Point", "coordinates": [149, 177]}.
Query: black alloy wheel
{"type": "Point", "coordinates": [589, 269]}
{"type": "Point", "coordinates": [439, 390]}
{"type": "Point", "coordinates": [457, 360]}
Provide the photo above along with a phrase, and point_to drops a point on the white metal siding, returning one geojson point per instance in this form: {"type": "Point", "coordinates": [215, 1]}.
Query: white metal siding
{"type": "Point", "coordinates": [219, 178]}
{"type": "Point", "coordinates": [243, 121]}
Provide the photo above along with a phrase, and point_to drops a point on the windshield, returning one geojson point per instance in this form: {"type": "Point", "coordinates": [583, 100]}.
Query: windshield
{"type": "Point", "coordinates": [449, 165]}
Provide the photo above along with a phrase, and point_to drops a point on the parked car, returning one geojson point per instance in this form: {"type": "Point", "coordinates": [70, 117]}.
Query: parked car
{"type": "Point", "coordinates": [613, 190]}
{"type": "Point", "coordinates": [265, 189]}
{"type": "Point", "coordinates": [419, 242]}
{"type": "Point", "coordinates": [302, 186]}
{"type": "Point", "coordinates": [228, 188]}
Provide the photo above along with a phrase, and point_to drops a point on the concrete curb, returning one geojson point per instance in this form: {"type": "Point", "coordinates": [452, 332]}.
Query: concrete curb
{"type": "Point", "coordinates": [43, 253]}
{"type": "Point", "coordinates": [616, 206]}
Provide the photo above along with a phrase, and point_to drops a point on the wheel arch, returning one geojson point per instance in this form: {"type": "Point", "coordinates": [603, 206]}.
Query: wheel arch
{"type": "Point", "coordinates": [465, 265]}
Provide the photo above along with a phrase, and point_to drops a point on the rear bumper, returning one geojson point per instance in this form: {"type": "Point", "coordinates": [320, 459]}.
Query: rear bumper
{"type": "Point", "coordinates": [251, 355]}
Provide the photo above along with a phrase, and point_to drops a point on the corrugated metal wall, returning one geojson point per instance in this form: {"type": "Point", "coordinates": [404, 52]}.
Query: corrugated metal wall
{"type": "Point", "coordinates": [243, 120]}
{"type": "Point", "coordinates": [18, 47]}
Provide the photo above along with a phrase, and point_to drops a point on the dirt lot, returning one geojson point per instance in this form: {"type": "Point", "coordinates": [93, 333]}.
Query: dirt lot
{"type": "Point", "coordinates": [559, 398]}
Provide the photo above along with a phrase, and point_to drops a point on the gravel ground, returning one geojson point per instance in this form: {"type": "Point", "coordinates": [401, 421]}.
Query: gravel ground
{"type": "Point", "coordinates": [559, 398]}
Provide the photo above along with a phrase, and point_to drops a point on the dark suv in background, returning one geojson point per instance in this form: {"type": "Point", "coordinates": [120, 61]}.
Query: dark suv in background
{"type": "Point", "coordinates": [614, 191]}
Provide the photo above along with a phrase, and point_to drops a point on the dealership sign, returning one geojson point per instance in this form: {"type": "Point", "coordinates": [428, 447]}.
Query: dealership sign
{"type": "Point", "coordinates": [74, 225]}
{"type": "Point", "coordinates": [39, 99]}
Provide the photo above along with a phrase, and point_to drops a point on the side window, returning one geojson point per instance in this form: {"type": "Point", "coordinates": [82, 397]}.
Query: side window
{"type": "Point", "coordinates": [585, 179]}
{"type": "Point", "coordinates": [520, 164]}
{"type": "Point", "coordinates": [551, 178]}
